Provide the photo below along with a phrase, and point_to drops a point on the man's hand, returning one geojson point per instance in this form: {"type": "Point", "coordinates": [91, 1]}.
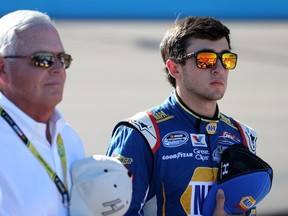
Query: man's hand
{"type": "Point", "coordinates": [220, 200]}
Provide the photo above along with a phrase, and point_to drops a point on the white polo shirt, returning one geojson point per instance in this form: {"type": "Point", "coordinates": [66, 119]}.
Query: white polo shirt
{"type": "Point", "coordinates": [25, 187]}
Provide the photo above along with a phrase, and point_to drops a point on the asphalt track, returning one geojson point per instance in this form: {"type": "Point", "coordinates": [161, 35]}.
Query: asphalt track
{"type": "Point", "coordinates": [117, 71]}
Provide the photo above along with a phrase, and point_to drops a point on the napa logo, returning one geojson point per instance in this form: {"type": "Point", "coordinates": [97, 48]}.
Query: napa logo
{"type": "Point", "coordinates": [193, 197]}
{"type": "Point", "coordinates": [211, 128]}
{"type": "Point", "coordinates": [247, 203]}
{"type": "Point", "coordinates": [175, 139]}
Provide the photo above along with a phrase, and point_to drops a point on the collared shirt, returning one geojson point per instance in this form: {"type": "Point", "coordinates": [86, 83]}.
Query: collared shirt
{"type": "Point", "coordinates": [25, 186]}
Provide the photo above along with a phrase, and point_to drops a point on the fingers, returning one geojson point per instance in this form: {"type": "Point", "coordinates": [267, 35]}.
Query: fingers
{"type": "Point", "coordinates": [220, 200]}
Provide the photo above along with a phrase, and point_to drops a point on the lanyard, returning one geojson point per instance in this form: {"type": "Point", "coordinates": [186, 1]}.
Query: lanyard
{"type": "Point", "coordinates": [62, 188]}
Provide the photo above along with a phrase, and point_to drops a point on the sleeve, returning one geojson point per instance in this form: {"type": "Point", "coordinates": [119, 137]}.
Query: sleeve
{"type": "Point", "coordinates": [131, 148]}
{"type": "Point", "coordinates": [250, 139]}
{"type": "Point", "coordinates": [248, 134]}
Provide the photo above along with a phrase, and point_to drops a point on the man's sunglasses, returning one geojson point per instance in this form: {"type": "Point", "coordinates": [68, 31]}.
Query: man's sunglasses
{"type": "Point", "coordinates": [47, 59]}
{"type": "Point", "coordinates": [207, 59]}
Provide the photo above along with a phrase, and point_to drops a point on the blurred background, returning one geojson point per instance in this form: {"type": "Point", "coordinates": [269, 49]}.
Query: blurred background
{"type": "Point", "coordinates": [117, 68]}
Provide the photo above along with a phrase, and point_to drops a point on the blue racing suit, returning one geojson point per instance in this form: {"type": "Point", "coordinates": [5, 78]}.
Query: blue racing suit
{"type": "Point", "coordinates": [173, 155]}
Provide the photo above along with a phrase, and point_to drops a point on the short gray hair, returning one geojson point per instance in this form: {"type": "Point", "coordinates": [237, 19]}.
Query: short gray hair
{"type": "Point", "coordinates": [14, 23]}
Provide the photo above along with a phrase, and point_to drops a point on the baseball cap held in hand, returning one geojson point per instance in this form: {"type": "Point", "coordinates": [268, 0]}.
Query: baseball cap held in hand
{"type": "Point", "coordinates": [245, 179]}
{"type": "Point", "coordinates": [101, 186]}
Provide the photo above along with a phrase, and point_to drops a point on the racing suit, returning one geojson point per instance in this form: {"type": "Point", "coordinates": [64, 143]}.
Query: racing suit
{"type": "Point", "coordinates": [173, 155]}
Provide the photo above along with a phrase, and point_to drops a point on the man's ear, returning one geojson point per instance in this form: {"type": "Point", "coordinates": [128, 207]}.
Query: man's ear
{"type": "Point", "coordinates": [3, 76]}
{"type": "Point", "coordinates": [173, 68]}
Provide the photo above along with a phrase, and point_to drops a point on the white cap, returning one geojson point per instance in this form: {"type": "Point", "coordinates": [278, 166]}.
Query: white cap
{"type": "Point", "coordinates": [101, 186]}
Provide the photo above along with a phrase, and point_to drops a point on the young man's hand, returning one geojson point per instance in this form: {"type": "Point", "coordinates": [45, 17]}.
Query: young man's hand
{"type": "Point", "coordinates": [220, 200]}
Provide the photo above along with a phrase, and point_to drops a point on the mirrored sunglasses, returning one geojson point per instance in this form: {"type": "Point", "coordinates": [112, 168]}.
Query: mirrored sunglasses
{"type": "Point", "coordinates": [208, 59]}
{"type": "Point", "coordinates": [47, 59]}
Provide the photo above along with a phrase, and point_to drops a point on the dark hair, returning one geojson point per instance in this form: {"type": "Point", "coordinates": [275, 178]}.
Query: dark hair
{"type": "Point", "coordinates": [175, 41]}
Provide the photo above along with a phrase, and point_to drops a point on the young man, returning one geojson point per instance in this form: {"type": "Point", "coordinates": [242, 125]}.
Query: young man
{"type": "Point", "coordinates": [37, 145]}
{"type": "Point", "coordinates": [173, 150]}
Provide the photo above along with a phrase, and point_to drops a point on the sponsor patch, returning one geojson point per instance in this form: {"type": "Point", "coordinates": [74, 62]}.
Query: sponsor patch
{"type": "Point", "coordinates": [252, 139]}
{"type": "Point", "coordinates": [142, 126]}
{"type": "Point", "coordinates": [175, 139]}
{"type": "Point", "coordinates": [198, 187]}
{"type": "Point", "coordinates": [198, 140]}
{"type": "Point", "coordinates": [246, 203]}
{"type": "Point", "coordinates": [228, 138]}
{"type": "Point", "coordinates": [211, 128]}
{"type": "Point", "coordinates": [201, 154]}
{"type": "Point", "coordinates": [177, 156]}
{"type": "Point", "coordinates": [217, 153]}
{"type": "Point", "coordinates": [124, 160]}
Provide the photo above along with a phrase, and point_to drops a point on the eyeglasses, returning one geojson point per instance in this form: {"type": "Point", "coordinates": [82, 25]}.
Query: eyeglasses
{"type": "Point", "coordinates": [47, 59]}
{"type": "Point", "coordinates": [206, 59]}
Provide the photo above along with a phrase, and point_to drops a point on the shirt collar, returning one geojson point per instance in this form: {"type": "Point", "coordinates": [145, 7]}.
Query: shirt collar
{"type": "Point", "coordinates": [28, 125]}
{"type": "Point", "coordinates": [191, 112]}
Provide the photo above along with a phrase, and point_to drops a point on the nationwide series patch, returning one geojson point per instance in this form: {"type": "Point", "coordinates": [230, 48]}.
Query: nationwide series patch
{"type": "Point", "coordinates": [175, 139]}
